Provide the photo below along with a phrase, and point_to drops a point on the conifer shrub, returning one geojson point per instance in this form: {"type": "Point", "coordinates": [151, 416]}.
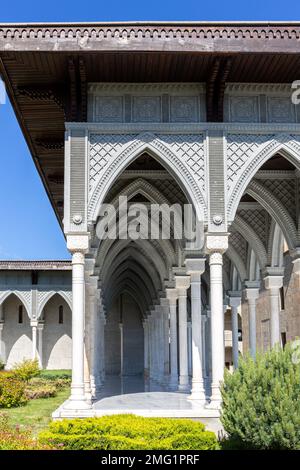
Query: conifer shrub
{"type": "Point", "coordinates": [128, 432]}
{"type": "Point", "coordinates": [261, 405]}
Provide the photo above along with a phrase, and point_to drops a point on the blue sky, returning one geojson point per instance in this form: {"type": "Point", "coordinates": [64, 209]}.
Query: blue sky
{"type": "Point", "coordinates": [28, 226]}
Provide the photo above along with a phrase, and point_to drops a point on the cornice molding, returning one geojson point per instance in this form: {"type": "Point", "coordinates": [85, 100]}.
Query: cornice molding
{"type": "Point", "coordinates": [153, 87]}
{"type": "Point", "coordinates": [197, 30]}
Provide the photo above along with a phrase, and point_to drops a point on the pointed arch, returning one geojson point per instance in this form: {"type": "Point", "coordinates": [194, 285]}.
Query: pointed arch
{"type": "Point", "coordinates": [157, 149]}
{"type": "Point", "coordinates": [277, 211]}
{"type": "Point", "coordinates": [20, 297]}
{"type": "Point", "coordinates": [283, 144]}
{"type": "Point", "coordinates": [254, 241]}
{"type": "Point", "coordinates": [64, 295]}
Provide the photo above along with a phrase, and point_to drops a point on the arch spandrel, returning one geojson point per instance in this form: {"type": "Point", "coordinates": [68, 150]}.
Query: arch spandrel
{"type": "Point", "coordinates": [184, 160]}
{"type": "Point", "coordinates": [246, 153]}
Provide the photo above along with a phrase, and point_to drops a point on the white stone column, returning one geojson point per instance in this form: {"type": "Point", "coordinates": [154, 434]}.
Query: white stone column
{"type": "Point", "coordinates": [252, 294]}
{"type": "Point", "coordinates": [160, 343]}
{"type": "Point", "coordinates": [101, 357]}
{"type": "Point", "coordinates": [195, 268]}
{"type": "Point", "coordinates": [146, 347]}
{"type": "Point", "coordinates": [182, 284]}
{"type": "Point", "coordinates": [34, 324]}
{"type": "Point", "coordinates": [216, 245]}
{"type": "Point", "coordinates": [172, 296]}
{"type": "Point", "coordinates": [40, 328]}
{"type": "Point", "coordinates": [78, 245]}
{"type": "Point", "coordinates": [94, 335]}
{"type": "Point", "coordinates": [235, 302]}
{"type": "Point", "coordinates": [273, 284]}
{"type": "Point", "coordinates": [151, 345]}
{"type": "Point", "coordinates": [189, 331]}
{"type": "Point", "coordinates": [166, 336]}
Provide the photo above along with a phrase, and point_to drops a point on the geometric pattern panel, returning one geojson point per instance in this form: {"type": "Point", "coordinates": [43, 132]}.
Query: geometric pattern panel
{"type": "Point", "coordinates": [170, 189]}
{"type": "Point", "coordinates": [103, 148]}
{"type": "Point", "coordinates": [184, 151]}
{"type": "Point", "coordinates": [240, 148]}
{"type": "Point", "coordinates": [190, 149]}
{"type": "Point", "coordinates": [285, 192]}
{"type": "Point", "coordinates": [259, 220]}
{"type": "Point", "coordinates": [239, 244]}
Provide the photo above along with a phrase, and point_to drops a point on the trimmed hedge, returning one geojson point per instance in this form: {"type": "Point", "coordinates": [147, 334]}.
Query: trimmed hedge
{"type": "Point", "coordinates": [261, 405]}
{"type": "Point", "coordinates": [12, 391]}
{"type": "Point", "coordinates": [128, 432]}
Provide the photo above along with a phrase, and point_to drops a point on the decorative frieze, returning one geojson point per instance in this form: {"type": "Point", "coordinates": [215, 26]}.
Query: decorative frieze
{"type": "Point", "coordinates": [140, 103]}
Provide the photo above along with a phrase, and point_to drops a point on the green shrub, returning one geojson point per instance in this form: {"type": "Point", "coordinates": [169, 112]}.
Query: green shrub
{"type": "Point", "coordinates": [26, 369]}
{"type": "Point", "coordinates": [56, 374]}
{"type": "Point", "coordinates": [128, 432]}
{"type": "Point", "coordinates": [13, 438]}
{"type": "Point", "coordinates": [12, 391]}
{"type": "Point", "coordinates": [33, 391]}
{"type": "Point", "coordinates": [2, 364]}
{"type": "Point", "coordinates": [261, 406]}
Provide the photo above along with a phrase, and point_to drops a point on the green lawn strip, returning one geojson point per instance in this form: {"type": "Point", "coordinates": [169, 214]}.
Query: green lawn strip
{"type": "Point", "coordinates": [37, 413]}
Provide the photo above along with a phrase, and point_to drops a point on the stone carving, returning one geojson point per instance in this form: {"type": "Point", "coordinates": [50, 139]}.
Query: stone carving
{"type": "Point", "coordinates": [285, 192]}
{"type": "Point", "coordinates": [239, 244]}
{"type": "Point", "coordinates": [240, 148]}
{"type": "Point", "coordinates": [184, 108]}
{"type": "Point", "coordinates": [103, 148]}
{"type": "Point", "coordinates": [259, 220]}
{"type": "Point", "coordinates": [183, 151]}
{"type": "Point", "coordinates": [243, 109]}
{"type": "Point", "coordinates": [146, 109]}
{"type": "Point", "coordinates": [280, 109]}
{"type": "Point", "coordinates": [245, 154]}
{"type": "Point", "coordinates": [190, 148]}
{"type": "Point", "coordinates": [108, 108]}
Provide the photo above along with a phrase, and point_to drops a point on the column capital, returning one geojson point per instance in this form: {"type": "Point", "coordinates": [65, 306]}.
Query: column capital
{"type": "Point", "coordinates": [234, 298]}
{"type": "Point", "coordinates": [182, 284]}
{"type": "Point", "coordinates": [252, 293]}
{"type": "Point", "coordinates": [1, 325]}
{"type": "Point", "coordinates": [34, 323]}
{"type": "Point", "coordinates": [216, 243]}
{"type": "Point", "coordinates": [273, 282]}
{"type": "Point", "coordinates": [172, 295]}
{"type": "Point", "coordinates": [195, 265]}
{"type": "Point", "coordinates": [78, 243]}
{"type": "Point", "coordinates": [40, 326]}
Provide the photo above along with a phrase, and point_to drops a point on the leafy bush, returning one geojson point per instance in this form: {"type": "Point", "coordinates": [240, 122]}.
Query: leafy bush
{"type": "Point", "coordinates": [56, 374]}
{"type": "Point", "coordinates": [261, 406]}
{"type": "Point", "coordinates": [26, 369]}
{"type": "Point", "coordinates": [33, 391]}
{"type": "Point", "coordinates": [2, 364]}
{"type": "Point", "coordinates": [12, 438]}
{"type": "Point", "coordinates": [12, 391]}
{"type": "Point", "coordinates": [128, 432]}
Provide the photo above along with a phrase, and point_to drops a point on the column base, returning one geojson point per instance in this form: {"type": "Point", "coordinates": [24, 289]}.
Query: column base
{"type": "Point", "coordinates": [197, 394]}
{"type": "Point", "coordinates": [216, 398]}
{"type": "Point", "coordinates": [77, 404]}
{"type": "Point", "coordinates": [184, 384]}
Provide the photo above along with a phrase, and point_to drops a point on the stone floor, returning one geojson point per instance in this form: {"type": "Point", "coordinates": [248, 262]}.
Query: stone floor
{"type": "Point", "coordinates": [134, 395]}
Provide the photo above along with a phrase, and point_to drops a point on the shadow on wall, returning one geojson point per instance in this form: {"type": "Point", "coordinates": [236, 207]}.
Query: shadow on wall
{"type": "Point", "coordinates": [57, 334]}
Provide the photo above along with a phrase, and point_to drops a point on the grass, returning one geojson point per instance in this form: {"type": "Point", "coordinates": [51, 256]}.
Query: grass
{"type": "Point", "coordinates": [36, 414]}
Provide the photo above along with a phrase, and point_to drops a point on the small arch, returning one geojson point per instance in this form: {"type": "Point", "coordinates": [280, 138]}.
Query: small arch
{"type": "Point", "coordinates": [50, 294]}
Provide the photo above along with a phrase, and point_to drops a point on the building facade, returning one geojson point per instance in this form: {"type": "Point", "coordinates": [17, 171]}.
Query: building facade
{"type": "Point", "coordinates": [188, 114]}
